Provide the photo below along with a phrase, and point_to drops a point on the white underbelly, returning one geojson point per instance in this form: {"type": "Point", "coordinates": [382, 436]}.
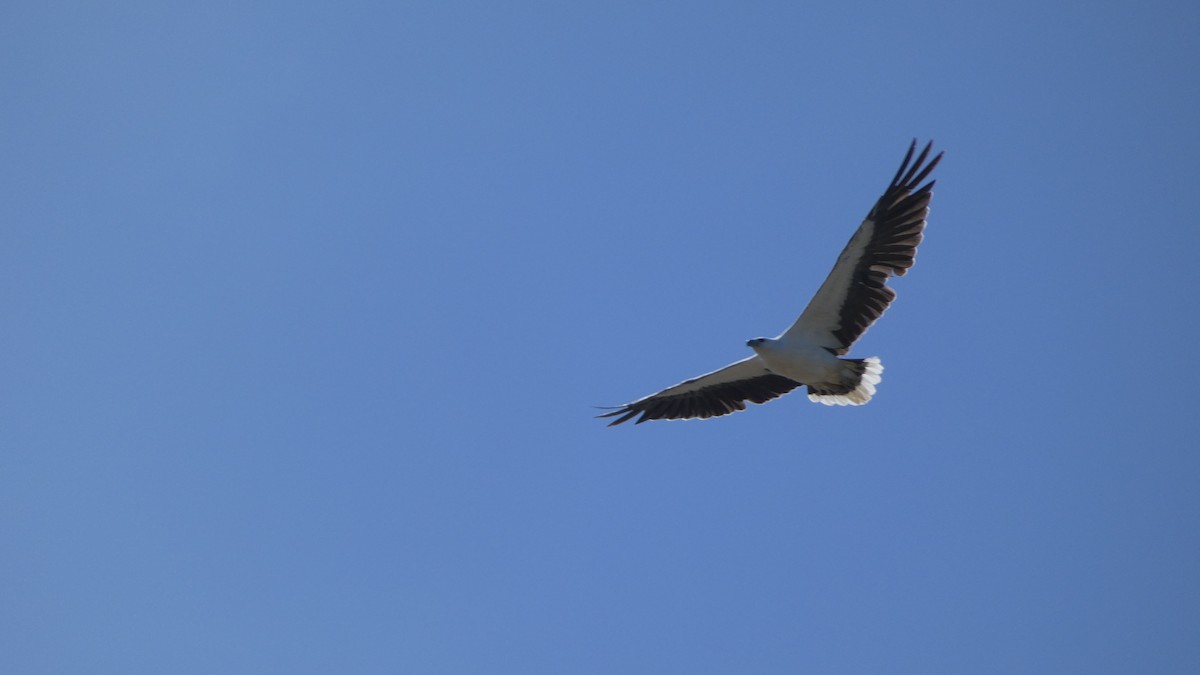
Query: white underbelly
{"type": "Point", "coordinates": [807, 365]}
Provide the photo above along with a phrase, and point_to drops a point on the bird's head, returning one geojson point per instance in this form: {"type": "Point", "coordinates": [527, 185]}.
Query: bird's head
{"type": "Point", "coordinates": [756, 343]}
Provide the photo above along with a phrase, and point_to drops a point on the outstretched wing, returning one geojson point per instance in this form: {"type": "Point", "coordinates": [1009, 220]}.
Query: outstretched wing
{"type": "Point", "coordinates": [717, 393]}
{"type": "Point", "coordinates": [855, 294]}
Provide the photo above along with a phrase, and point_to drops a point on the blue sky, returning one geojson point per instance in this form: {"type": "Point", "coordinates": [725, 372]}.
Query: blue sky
{"type": "Point", "coordinates": [308, 306]}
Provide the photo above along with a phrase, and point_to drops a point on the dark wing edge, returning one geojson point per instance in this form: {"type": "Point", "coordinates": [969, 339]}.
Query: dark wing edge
{"type": "Point", "coordinates": [703, 402]}
{"type": "Point", "coordinates": [899, 223]}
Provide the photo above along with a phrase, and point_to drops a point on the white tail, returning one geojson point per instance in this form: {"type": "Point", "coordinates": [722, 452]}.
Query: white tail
{"type": "Point", "coordinates": [861, 374]}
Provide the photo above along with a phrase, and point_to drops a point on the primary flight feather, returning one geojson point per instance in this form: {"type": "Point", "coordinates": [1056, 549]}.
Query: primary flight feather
{"type": "Point", "coordinates": [853, 296]}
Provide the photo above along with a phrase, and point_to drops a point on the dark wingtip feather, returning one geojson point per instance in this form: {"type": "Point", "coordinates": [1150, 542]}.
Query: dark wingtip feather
{"type": "Point", "coordinates": [916, 166]}
{"type": "Point", "coordinates": [928, 168]}
{"type": "Point", "coordinates": [623, 413]}
{"type": "Point", "coordinates": [904, 165]}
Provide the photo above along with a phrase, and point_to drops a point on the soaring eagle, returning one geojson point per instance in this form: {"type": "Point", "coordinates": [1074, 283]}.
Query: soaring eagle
{"type": "Point", "coordinates": [853, 296]}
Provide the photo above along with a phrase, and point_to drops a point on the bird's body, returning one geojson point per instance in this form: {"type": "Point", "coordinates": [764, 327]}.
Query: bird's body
{"type": "Point", "coordinates": [815, 366]}
{"type": "Point", "coordinates": [853, 296]}
{"type": "Point", "coordinates": [797, 360]}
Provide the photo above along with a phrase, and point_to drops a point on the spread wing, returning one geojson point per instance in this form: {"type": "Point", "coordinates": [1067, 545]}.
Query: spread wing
{"type": "Point", "coordinates": [717, 393]}
{"type": "Point", "coordinates": [855, 294]}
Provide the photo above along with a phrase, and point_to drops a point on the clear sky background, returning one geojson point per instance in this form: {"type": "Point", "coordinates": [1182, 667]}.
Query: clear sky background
{"type": "Point", "coordinates": [306, 307]}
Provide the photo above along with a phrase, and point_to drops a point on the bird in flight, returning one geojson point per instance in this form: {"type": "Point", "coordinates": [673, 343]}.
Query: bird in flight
{"type": "Point", "coordinates": [854, 296]}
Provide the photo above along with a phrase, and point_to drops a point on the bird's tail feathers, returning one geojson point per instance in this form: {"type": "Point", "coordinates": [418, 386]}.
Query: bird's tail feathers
{"type": "Point", "coordinates": [859, 379]}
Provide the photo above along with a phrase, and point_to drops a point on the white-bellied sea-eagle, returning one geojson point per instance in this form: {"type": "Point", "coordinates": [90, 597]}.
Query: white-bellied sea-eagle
{"type": "Point", "coordinates": [853, 296]}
